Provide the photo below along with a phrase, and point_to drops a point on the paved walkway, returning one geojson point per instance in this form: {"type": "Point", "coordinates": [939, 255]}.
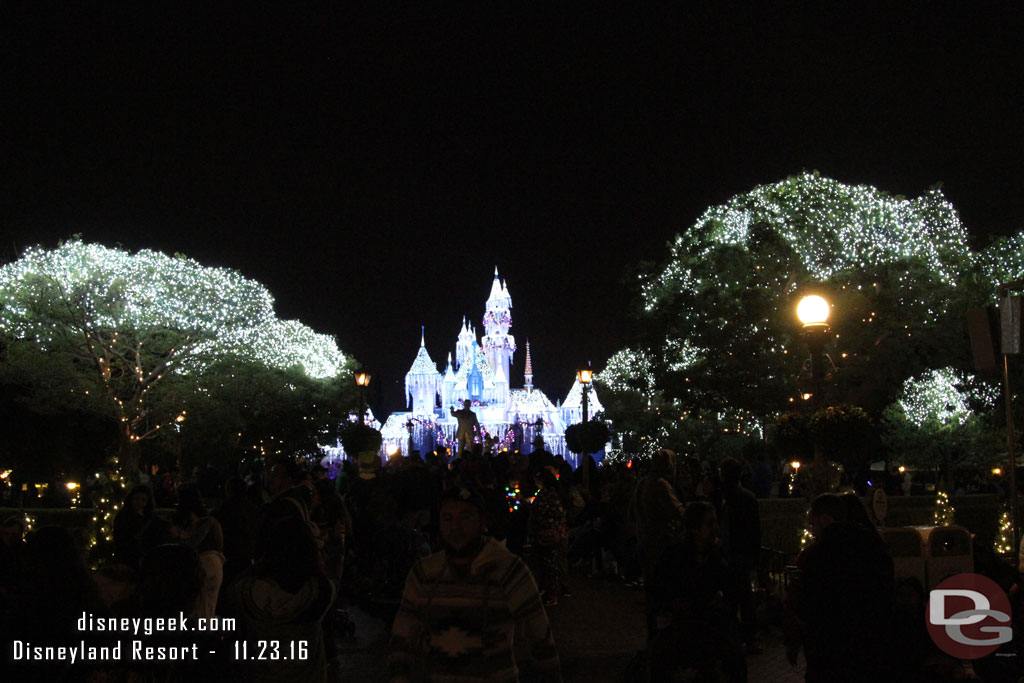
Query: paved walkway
{"type": "Point", "coordinates": [599, 630]}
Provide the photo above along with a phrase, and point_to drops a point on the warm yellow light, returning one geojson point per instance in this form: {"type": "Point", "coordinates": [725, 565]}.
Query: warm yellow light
{"type": "Point", "coordinates": [363, 378]}
{"type": "Point", "coordinates": [996, 471]}
{"type": "Point", "coordinates": [393, 450]}
{"type": "Point", "coordinates": [812, 310]}
{"type": "Point", "coordinates": [71, 486]}
{"type": "Point", "coordinates": [585, 376]}
{"type": "Point", "coordinates": [902, 469]}
{"type": "Point", "coordinates": [6, 473]}
{"type": "Point", "coordinates": [806, 397]}
{"type": "Point", "coordinates": [180, 418]}
{"type": "Point", "coordinates": [795, 464]}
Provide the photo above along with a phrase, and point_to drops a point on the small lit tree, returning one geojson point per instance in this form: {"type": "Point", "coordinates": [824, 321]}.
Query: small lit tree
{"type": "Point", "coordinates": [1004, 537]}
{"type": "Point", "coordinates": [944, 511]}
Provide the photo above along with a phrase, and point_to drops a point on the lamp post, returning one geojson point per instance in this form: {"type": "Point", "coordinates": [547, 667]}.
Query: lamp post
{"type": "Point", "coordinates": [813, 313]}
{"type": "Point", "coordinates": [362, 381]}
{"type": "Point", "coordinates": [585, 377]}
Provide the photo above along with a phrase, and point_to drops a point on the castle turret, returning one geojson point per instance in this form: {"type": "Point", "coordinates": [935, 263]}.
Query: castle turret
{"type": "Point", "coordinates": [498, 344]}
{"type": "Point", "coordinates": [448, 386]}
{"type": "Point", "coordinates": [528, 374]}
{"type": "Point", "coordinates": [422, 382]}
{"type": "Point", "coordinates": [464, 345]}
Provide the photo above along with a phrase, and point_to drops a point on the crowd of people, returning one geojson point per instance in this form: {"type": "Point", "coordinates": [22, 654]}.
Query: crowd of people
{"type": "Point", "coordinates": [464, 557]}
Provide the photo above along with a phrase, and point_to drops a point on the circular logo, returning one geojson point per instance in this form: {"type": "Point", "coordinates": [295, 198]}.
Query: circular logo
{"type": "Point", "coordinates": [968, 616]}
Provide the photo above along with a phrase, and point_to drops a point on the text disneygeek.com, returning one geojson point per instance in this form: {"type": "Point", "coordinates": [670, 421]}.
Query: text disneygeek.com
{"type": "Point", "coordinates": [136, 649]}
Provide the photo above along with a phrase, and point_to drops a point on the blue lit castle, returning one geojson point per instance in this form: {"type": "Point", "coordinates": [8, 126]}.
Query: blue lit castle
{"type": "Point", "coordinates": [480, 373]}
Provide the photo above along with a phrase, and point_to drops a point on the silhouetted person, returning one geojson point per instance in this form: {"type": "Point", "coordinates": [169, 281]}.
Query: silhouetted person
{"type": "Point", "coordinates": [740, 522]}
{"type": "Point", "coordinates": [695, 588]}
{"type": "Point", "coordinates": [658, 515]}
{"type": "Point", "coordinates": [467, 428]}
{"type": "Point", "coordinates": [131, 523]}
{"type": "Point", "coordinates": [845, 596]}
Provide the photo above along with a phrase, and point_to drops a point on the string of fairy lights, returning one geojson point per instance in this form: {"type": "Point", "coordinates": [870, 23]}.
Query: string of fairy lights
{"type": "Point", "coordinates": [140, 317]}
{"type": "Point", "coordinates": [142, 293]}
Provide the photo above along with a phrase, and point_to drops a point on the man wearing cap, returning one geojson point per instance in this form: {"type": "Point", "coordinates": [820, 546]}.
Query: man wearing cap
{"type": "Point", "coordinates": [462, 607]}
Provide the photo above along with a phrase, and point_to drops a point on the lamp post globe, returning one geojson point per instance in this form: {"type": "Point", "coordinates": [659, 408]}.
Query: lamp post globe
{"type": "Point", "coordinates": [362, 381]}
{"type": "Point", "coordinates": [813, 310]}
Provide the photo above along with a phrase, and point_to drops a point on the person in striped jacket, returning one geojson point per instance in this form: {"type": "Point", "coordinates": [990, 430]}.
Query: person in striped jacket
{"type": "Point", "coordinates": [462, 607]}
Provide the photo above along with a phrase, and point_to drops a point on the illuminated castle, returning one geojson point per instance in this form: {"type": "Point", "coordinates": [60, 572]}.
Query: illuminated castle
{"type": "Point", "coordinates": [480, 374]}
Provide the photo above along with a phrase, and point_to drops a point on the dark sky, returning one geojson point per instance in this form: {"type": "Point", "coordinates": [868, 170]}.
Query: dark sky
{"type": "Point", "coordinates": [372, 166]}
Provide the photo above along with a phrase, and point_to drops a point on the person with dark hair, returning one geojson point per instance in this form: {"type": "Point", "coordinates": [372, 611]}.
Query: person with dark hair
{"type": "Point", "coordinates": [465, 608]}
{"type": "Point", "coordinates": [193, 527]}
{"type": "Point", "coordinates": [284, 598]}
{"type": "Point", "coordinates": [694, 586]}
{"type": "Point", "coordinates": [845, 596]}
{"type": "Point", "coordinates": [549, 532]}
{"type": "Point", "coordinates": [130, 524]}
{"type": "Point", "coordinates": [239, 520]}
{"type": "Point", "coordinates": [741, 542]}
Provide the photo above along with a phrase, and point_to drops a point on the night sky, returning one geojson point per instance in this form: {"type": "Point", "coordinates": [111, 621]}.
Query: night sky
{"type": "Point", "coordinates": [372, 166]}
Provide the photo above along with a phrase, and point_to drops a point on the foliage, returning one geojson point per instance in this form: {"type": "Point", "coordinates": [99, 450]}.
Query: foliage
{"type": "Point", "coordinates": [587, 437]}
{"type": "Point", "coordinates": [717, 334]}
{"type": "Point", "coordinates": [124, 336]}
{"type": "Point", "coordinates": [943, 418]}
{"type": "Point", "coordinates": [246, 410]}
{"type": "Point", "coordinates": [845, 434]}
{"type": "Point", "coordinates": [791, 436]}
{"type": "Point", "coordinates": [360, 438]}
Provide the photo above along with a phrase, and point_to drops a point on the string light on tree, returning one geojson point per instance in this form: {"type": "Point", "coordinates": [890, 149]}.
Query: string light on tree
{"type": "Point", "coordinates": [944, 510]}
{"type": "Point", "coordinates": [1004, 537]}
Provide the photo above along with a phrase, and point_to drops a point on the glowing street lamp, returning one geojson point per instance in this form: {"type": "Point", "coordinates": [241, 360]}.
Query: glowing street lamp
{"type": "Point", "coordinates": [585, 377]}
{"type": "Point", "coordinates": [362, 381]}
{"type": "Point", "coordinates": [813, 313]}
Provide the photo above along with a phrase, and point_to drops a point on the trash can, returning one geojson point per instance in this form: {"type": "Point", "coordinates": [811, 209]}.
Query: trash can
{"type": "Point", "coordinates": [907, 551]}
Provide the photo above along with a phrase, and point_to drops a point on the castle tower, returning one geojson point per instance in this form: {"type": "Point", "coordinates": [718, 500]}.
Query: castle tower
{"type": "Point", "coordinates": [464, 345]}
{"type": "Point", "coordinates": [448, 386]}
{"type": "Point", "coordinates": [498, 344]}
{"type": "Point", "coordinates": [528, 374]}
{"type": "Point", "coordinates": [422, 382]}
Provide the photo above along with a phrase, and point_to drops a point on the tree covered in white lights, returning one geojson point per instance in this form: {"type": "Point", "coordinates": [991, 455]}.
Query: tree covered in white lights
{"type": "Point", "coordinates": [719, 338]}
{"type": "Point", "coordinates": [943, 418]}
{"type": "Point", "coordinates": [128, 335]}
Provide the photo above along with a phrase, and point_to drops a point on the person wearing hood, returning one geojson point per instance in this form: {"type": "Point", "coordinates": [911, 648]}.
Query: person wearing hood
{"type": "Point", "coordinates": [283, 599]}
{"type": "Point", "coordinates": [463, 606]}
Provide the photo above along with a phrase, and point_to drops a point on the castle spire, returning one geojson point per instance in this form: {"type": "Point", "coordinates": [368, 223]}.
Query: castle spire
{"type": "Point", "coordinates": [528, 374]}
{"type": "Point", "coordinates": [423, 336]}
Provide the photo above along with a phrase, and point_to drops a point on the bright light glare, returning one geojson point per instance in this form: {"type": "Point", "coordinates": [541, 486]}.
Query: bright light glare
{"type": "Point", "coordinates": [812, 310]}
